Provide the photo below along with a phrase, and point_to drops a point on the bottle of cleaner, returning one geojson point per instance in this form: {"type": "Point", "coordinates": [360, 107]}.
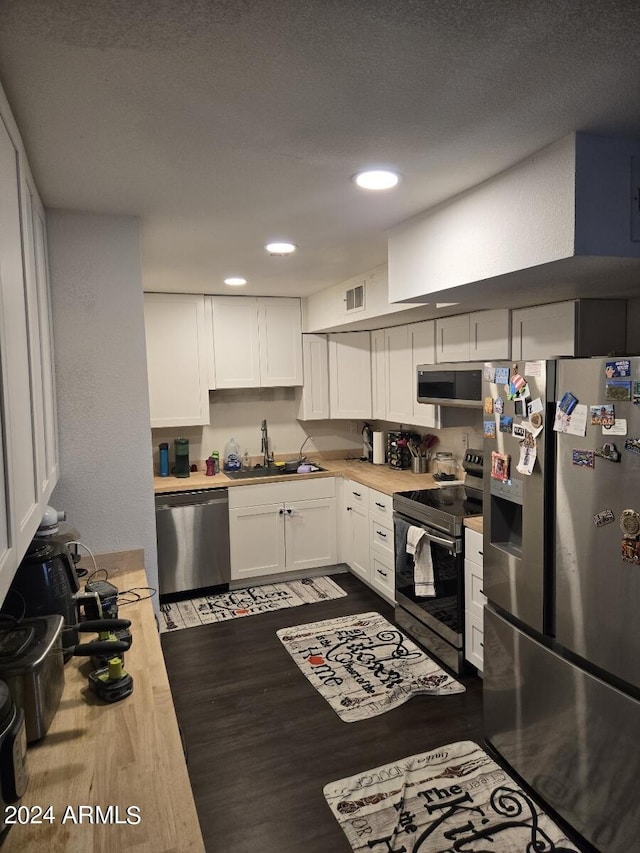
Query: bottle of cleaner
{"type": "Point", "coordinates": [232, 456]}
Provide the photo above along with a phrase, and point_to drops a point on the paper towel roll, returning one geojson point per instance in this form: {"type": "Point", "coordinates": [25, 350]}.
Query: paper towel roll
{"type": "Point", "coordinates": [378, 448]}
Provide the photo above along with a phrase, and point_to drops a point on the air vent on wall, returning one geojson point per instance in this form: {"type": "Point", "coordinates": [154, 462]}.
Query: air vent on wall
{"type": "Point", "coordinates": [355, 298]}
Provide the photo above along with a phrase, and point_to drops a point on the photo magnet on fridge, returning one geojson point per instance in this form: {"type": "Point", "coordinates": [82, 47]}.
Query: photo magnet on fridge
{"type": "Point", "coordinates": [603, 415]}
{"type": "Point", "coordinates": [618, 389]}
{"type": "Point", "coordinates": [489, 373]}
{"type": "Point", "coordinates": [502, 375]}
{"type": "Point", "coordinates": [500, 465]}
{"type": "Point", "coordinates": [583, 458]}
{"type": "Point", "coordinates": [498, 405]}
{"type": "Point", "coordinates": [604, 517]}
{"type": "Point", "coordinates": [488, 405]}
{"type": "Point", "coordinates": [489, 429]}
{"type": "Point", "coordinates": [506, 423]}
{"type": "Point", "coordinates": [619, 369]}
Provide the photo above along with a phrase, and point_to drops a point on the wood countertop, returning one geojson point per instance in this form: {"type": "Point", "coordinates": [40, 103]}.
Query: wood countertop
{"type": "Point", "coordinates": [125, 754]}
{"type": "Point", "coordinates": [474, 523]}
{"type": "Point", "coordinates": [380, 477]}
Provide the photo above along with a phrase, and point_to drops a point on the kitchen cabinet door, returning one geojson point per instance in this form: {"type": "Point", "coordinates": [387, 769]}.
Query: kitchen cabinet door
{"type": "Point", "coordinates": [378, 376]}
{"type": "Point", "coordinates": [22, 415]}
{"type": "Point", "coordinates": [350, 375]}
{"type": "Point", "coordinates": [256, 536]}
{"type": "Point", "coordinates": [314, 399]}
{"type": "Point", "coordinates": [452, 338]}
{"type": "Point", "coordinates": [422, 338]}
{"type": "Point", "coordinates": [40, 341]}
{"type": "Point", "coordinates": [489, 335]}
{"type": "Point", "coordinates": [280, 337]}
{"type": "Point", "coordinates": [543, 331]}
{"type": "Point", "coordinates": [474, 599]}
{"type": "Point", "coordinates": [310, 534]}
{"type": "Point", "coordinates": [358, 540]}
{"type": "Point", "coordinates": [178, 359]}
{"type": "Point", "coordinates": [236, 342]}
{"type": "Point", "coordinates": [399, 381]}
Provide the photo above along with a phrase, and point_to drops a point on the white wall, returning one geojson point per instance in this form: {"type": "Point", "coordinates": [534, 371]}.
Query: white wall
{"type": "Point", "coordinates": [105, 483]}
{"type": "Point", "coordinates": [239, 413]}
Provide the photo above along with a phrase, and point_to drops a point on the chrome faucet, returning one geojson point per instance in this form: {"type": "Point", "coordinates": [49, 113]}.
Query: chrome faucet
{"type": "Point", "coordinates": [267, 458]}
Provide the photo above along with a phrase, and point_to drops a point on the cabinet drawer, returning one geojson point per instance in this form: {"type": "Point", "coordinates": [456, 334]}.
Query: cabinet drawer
{"type": "Point", "coordinates": [308, 490]}
{"type": "Point", "coordinates": [474, 597]}
{"type": "Point", "coordinates": [356, 495]}
{"type": "Point", "coordinates": [382, 576]}
{"type": "Point", "coordinates": [473, 546]}
{"type": "Point", "coordinates": [380, 503]}
{"type": "Point", "coordinates": [381, 533]}
{"type": "Point", "coordinates": [283, 491]}
{"type": "Point", "coordinates": [474, 641]}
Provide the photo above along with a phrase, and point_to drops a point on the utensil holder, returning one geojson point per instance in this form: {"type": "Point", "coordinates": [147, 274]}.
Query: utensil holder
{"type": "Point", "coordinates": [419, 464]}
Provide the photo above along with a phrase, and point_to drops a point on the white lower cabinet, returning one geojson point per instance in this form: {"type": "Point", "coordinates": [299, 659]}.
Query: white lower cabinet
{"type": "Point", "coordinates": [369, 537]}
{"type": "Point", "coordinates": [289, 526]}
{"type": "Point", "coordinates": [474, 599]}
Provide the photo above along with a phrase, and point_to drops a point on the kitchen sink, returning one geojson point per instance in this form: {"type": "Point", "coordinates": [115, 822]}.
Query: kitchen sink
{"type": "Point", "coordinates": [271, 471]}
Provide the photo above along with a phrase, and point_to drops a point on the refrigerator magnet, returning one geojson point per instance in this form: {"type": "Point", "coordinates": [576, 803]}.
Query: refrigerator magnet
{"type": "Point", "coordinates": [489, 429]}
{"type": "Point", "coordinates": [583, 458]}
{"type": "Point", "coordinates": [500, 465]}
{"type": "Point", "coordinates": [567, 403]}
{"type": "Point", "coordinates": [636, 393]}
{"type": "Point", "coordinates": [527, 459]}
{"type": "Point", "coordinates": [617, 369]}
{"type": "Point", "coordinates": [603, 415]}
{"type": "Point", "coordinates": [518, 431]}
{"type": "Point", "coordinates": [619, 427]}
{"type": "Point", "coordinates": [609, 452]}
{"type": "Point", "coordinates": [502, 375]}
{"type": "Point", "coordinates": [630, 551]}
{"type": "Point", "coordinates": [630, 523]}
{"type": "Point", "coordinates": [506, 423]}
{"type": "Point", "coordinates": [489, 373]}
{"type": "Point", "coordinates": [488, 405]}
{"type": "Point", "coordinates": [604, 517]}
{"type": "Point", "coordinates": [618, 390]}
{"type": "Point", "coordinates": [633, 445]}
{"type": "Point", "coordinates": [498, 404]}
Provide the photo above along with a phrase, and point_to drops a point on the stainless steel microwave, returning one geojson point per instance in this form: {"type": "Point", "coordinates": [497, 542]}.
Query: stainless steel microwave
{"type": "Point", "coordinates": [451, 384]}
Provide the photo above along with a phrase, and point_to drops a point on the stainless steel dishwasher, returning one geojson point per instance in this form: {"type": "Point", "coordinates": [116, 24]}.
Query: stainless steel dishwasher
{"type": "Point", "coordinates": [192, 531]}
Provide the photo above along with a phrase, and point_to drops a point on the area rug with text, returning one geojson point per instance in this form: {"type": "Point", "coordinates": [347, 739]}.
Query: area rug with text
{"type": "Point", "coordinates": [246, 602]}
{"type": "Point", "coordinates": [454, 798]}
{"type": "Point", "coordinates": [363, 665]}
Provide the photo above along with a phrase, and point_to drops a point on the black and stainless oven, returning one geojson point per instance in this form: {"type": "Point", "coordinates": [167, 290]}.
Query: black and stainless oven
{"type": "Point", "coordinates": [435, 620]}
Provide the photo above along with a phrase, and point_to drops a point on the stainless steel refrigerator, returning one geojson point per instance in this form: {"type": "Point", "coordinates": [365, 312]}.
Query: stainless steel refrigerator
{"type": "Point", "coordinates": [562, 578]}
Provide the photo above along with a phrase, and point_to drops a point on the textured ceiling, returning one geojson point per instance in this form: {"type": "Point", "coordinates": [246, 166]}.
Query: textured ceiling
{"type": "Point", "coordinates": [226, 124]}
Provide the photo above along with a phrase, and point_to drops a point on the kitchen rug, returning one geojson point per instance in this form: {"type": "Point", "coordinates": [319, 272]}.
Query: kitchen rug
{"type": "Point", "coordinates": [364, 665]}
{"type": "Point", "coordinates": [452, 798]}
{"type": "Point", "coordinates": [246, 602]}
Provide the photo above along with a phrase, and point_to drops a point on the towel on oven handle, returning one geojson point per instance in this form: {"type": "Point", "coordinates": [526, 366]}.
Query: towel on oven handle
{"type": "Point", "coordinates": [420, 547]}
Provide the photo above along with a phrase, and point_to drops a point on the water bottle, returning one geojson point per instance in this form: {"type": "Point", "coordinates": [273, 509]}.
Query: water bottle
{"type": "Point", "coordinates": [182, 457]}
{"type": "Point", "coordinates": [164, 460]}
{"type": "Point", "coordinates": [232, 456]}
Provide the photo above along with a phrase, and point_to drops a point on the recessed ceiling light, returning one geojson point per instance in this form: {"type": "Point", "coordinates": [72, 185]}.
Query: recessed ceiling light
{"type": "Point", "coordinates": [280, 248]}
{"type": "Point", "coordinates": [377, 179]}
{"type": "Point", "coordinates": [235, 281]}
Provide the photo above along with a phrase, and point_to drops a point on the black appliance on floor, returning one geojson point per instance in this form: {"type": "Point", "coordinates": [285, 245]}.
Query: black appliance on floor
{"type": "Point", "coordinates": [436, 621]}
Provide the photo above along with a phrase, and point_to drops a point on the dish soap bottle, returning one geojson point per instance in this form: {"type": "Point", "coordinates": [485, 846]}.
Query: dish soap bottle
{"type": "Point", "coordinates": [232, 456]}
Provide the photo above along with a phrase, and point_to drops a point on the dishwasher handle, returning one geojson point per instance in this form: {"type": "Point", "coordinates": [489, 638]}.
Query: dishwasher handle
{"type": "Point", "coordinates": [173, 500]}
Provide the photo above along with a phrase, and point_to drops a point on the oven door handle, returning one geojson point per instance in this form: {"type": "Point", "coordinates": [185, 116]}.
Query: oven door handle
{"type": "Point", "coordinates": [448, 543]}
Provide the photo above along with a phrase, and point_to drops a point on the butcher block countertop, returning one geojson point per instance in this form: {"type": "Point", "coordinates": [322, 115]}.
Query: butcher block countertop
{"type": "Point", "coordinates": [474, 523]}
{"type": "Point", "coordinates": [118, 755]}
{"type": "Point", "coordinates": [380, 477]}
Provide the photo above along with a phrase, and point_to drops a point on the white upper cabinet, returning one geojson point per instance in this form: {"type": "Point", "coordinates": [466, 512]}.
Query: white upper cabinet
{"type": "Point", "coordinates": [422, 341]}
{"type": "Point", "coordinates": [178, 359]}
{"type": "Point", "coordinates": [350, 375]}
{"type": "Point", "coordinates": [22, 413]}
{"type": "Point", "coordinates": [314, 400]}
{"type": "Point", "coordinates": [378, 375]}
{"type": "Point", "coordinates": [452, 338]}
{"type": "Point", "coordinates": [578, 328]}
{"type": "Point", "coordinates": [280, 334]}
{"type": "Point", "coordinates": [489, 335]}
{"type": "Point", "coordinates": [28, 426]}
{"type": "Point", "coordinates": [479, 336]}
{"type": "Point", "coordinates": [399, 375]}
{"type": "Point", "coordinates": [257, 342]}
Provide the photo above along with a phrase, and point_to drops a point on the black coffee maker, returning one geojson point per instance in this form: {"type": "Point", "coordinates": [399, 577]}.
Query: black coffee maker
{"type": "Point", "coordinates": [46, 583]}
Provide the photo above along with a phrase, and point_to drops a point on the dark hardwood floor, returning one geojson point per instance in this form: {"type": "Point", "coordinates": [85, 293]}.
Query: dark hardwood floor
{"type": "Point", "coordinates": [262, 742]}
